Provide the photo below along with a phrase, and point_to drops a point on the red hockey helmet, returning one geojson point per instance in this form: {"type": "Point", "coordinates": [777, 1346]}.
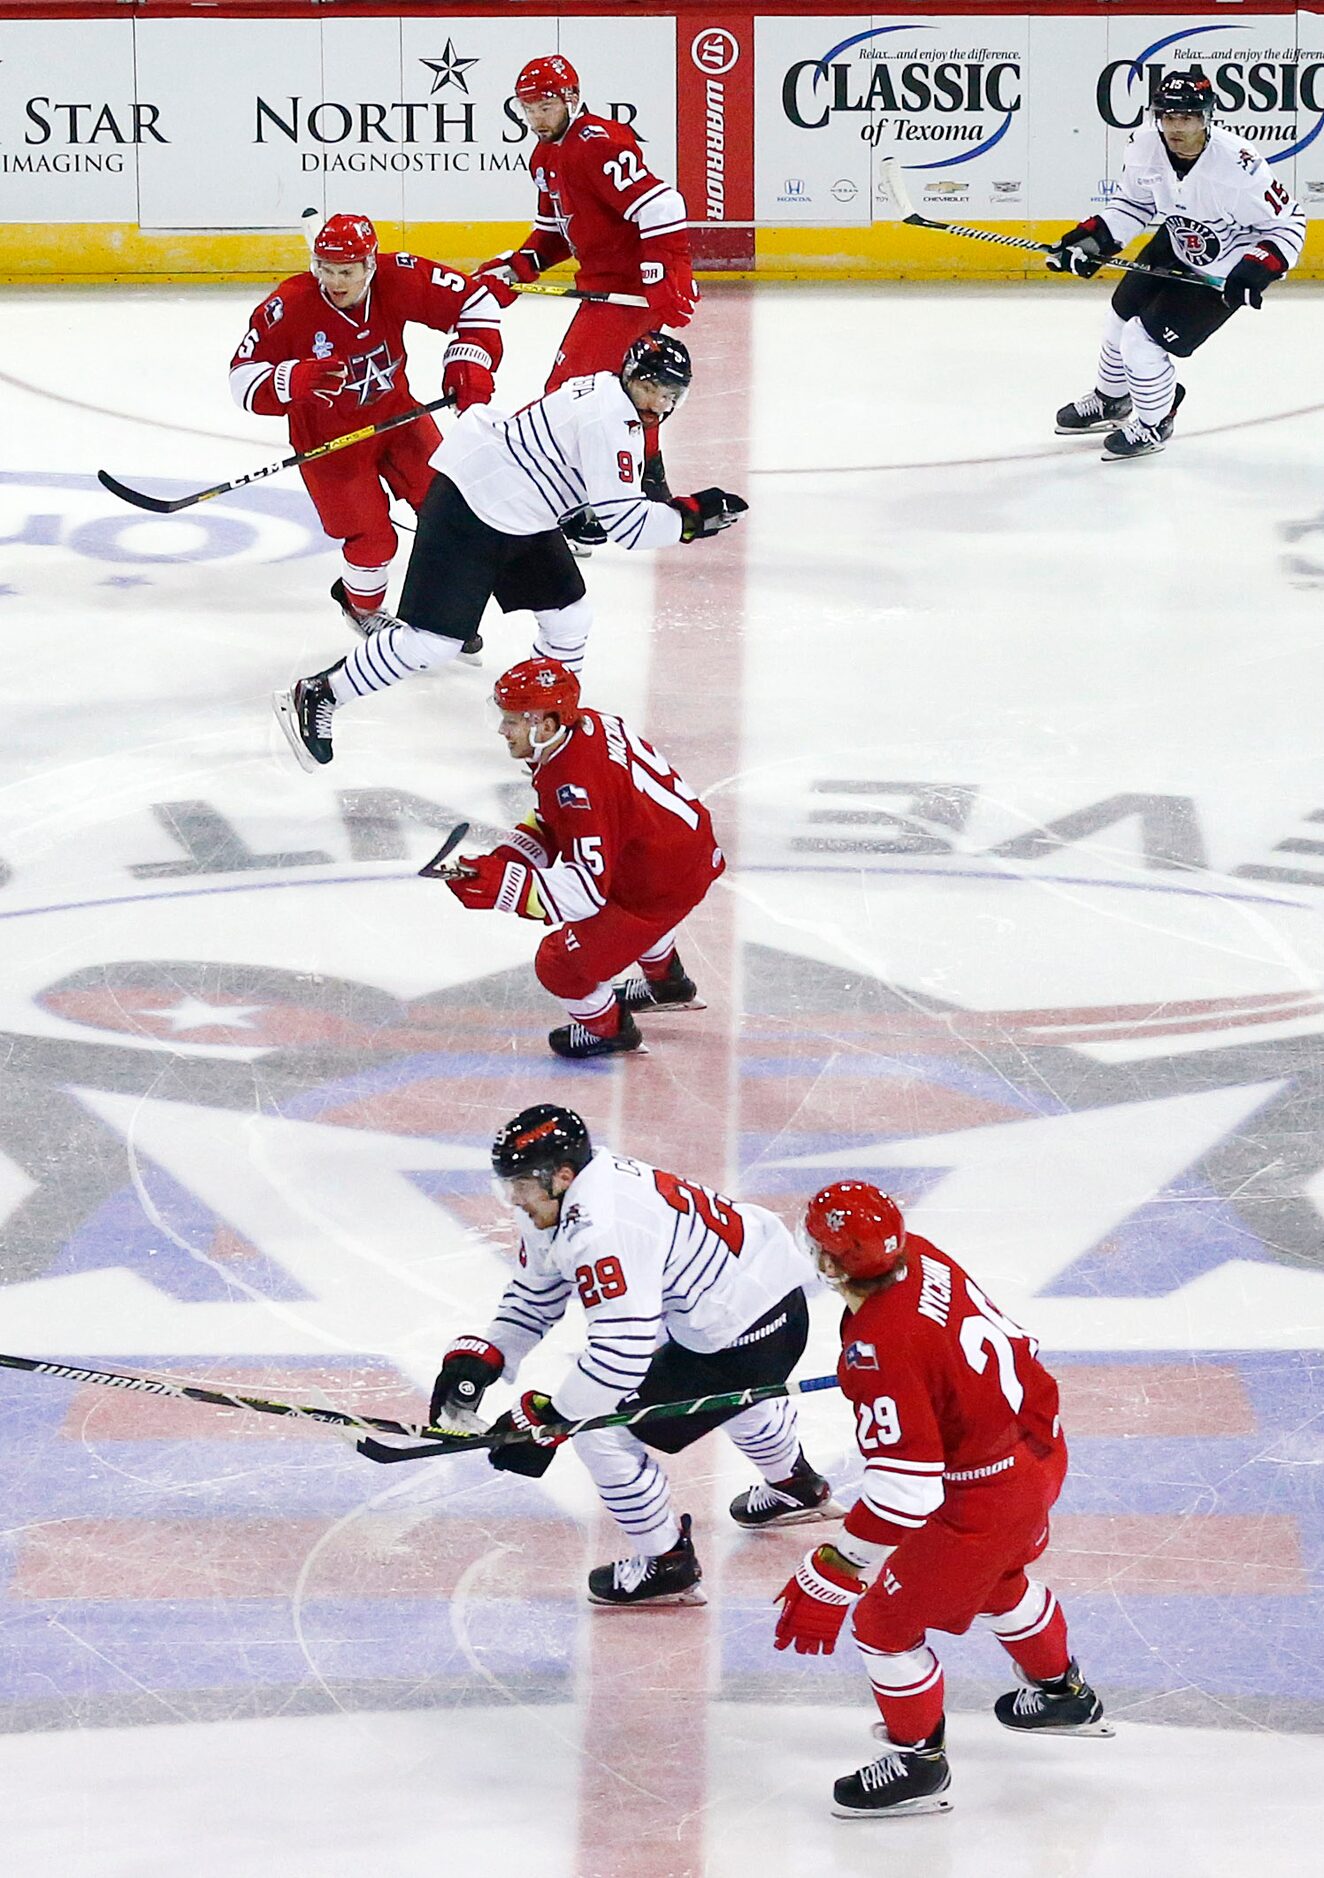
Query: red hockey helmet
{"type": "Point", "coordinates": [346, 238]}
{"type": "Point", "coordinates": [548, 77]}
{"type": "Point", "coordinates": [858, 1227]}
{"type": "Point", "coordinates": [538, 686]}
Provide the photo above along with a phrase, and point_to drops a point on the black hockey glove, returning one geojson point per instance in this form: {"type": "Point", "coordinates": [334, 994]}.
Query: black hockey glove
{"type": "Point", "coordinates": [534, 1456]}
{"type": "Point", "coordinates": [470, 1366]}
{"type": "Point", "coordinates": [585, 528]}
{"type": "Point", "coordinates": [1083, 249]}
{"type": "Point", "coordinates": [1257, 269]}
{"type": "Point", "coordinates": [707, 512]}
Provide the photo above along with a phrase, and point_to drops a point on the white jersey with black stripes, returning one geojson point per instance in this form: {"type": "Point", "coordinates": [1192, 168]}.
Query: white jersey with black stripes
{"type": "Point", "coordinates": [581, 445]}
{"type": "Point", "coordinates": [1228, 200]}
{"type": "Point", "coordinates": [652, 1256]}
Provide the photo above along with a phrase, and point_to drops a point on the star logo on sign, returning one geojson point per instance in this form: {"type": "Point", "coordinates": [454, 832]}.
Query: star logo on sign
{"type": "Point", "coordinates": [450, 69]}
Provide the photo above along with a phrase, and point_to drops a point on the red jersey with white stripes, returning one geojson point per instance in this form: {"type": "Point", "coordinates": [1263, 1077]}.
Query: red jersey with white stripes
{"type": "Point", "coordinates": [615, 823]}
{"type": "Point", "coordinates": [297, 321]}
{"type": "Point", "coordinates": [599, 201]}
{"type": "Point", "coordinates": [944, 1386]}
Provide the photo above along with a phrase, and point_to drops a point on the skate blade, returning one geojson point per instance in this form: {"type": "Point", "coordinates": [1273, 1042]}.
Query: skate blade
{"type": "Point", "coordinates": [695, 1595]}
{"type": "Point", "coordinates": [1101, 1730]}
{"type": "Point", "coordinates": [664, 1010]}
{"type": "Point", "coordinates": [474, 659]}
{"type": "Point", "coordinates": [802, 1516]}
{"type": "Point", "coordinates": [288, 719]}
{"type": "Point", "coordinates": [1106, 456]}
{"type": "Point", "coordinates": [1086, 430]}
{"type": "Point", "coordinates": [908, 1809]}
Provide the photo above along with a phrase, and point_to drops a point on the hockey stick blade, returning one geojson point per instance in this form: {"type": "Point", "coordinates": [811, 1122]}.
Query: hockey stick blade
{"type": "Point", "coordinates": [157, 504]}
{"type": "Point", "coordinates": [436, 868]}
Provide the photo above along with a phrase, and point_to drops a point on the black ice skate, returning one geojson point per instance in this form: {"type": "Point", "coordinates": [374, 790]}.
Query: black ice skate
{"type": "Point", "coordinates": [904, 1782]}
{"type": "Point", "coordinates": [671, 1578]}
{"type": "Point", "coordinates": [675, 992]}
{"type": "Point", "coordinates": [576, 1040]}
{"type": "Point", "coordinates": [304, 713]}
{"type": "Point", "coordinates": [1094, 411]}
{"type": "Point", "coordinates": [366, 624]}
{"type": "Point", "coordinates": [803, 1496]}
{"type": "Point", "coordinates": [1140, 439]}
{"type": "Point", "coordinates": [1066, 1706]}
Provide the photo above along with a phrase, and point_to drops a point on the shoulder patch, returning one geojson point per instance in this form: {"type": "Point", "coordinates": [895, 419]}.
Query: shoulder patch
{"type": "Point", "coordinates": [571, 796]}
{"type": "Point", "coordinates": [861, 1356]}
{"type": "Point", "coordinates": [404, 260]}
{"type": "Point", "coordinates": [273, 310]}
{"type": "Point", "coordinates": [592, 130]}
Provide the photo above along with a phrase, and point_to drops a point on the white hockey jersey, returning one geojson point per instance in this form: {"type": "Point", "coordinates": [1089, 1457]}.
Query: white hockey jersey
{"type": "Point", "coordinates": [581, 444]}
{"type": "Point", "coordinates": [1228, 200]}
{"type": "Point", "coordinates": [652, 1257]}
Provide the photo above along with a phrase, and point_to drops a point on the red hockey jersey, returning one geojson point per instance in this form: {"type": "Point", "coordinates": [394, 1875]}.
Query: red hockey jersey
{"type": "Point", "coordinates": [297, 321]}
{"type": "Point", "coordinates": [599, 201]}
{"type": "Point", "coordinates": [616, 824]}
{"type": "Point", "coordinates": [944, 1387]}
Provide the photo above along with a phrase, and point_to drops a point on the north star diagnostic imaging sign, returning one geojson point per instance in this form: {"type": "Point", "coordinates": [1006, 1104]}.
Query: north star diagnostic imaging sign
{"type": "Point", "coordinates": [945, 96]}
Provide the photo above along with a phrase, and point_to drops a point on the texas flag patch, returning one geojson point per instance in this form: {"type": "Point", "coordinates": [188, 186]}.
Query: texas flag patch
{"type": "Point", "coordinates": [571, 796]}
{"type": "Point", "coordinates": [861, 1356]}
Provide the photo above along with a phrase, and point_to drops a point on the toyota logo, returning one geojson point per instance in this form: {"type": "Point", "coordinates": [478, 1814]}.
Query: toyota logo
{"type": "Point", "coordinates": [715, 51]}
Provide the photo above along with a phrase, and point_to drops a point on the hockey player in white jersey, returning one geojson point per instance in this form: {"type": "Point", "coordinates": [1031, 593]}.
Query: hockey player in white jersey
{"type": "Point", "coordinates": [490, 526]}
{"type": "Point", "coordinates": [685, 1294]}
{"type": "Point", "coordinates": [1221, 212]}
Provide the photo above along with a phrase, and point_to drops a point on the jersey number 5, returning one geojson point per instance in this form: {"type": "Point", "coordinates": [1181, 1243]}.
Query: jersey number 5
{"type": "Point", "coordinates": [718, 1215]}
{"type": "Point", "coordinates": [599, 1282]}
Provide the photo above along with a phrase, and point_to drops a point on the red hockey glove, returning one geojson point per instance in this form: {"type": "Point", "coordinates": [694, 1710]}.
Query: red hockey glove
{"type": "Point", "coordinates": [520, 264]}
{"type": "Point", "coordinates": [1257, 269]}
{"type": "Point", "coordinates": [707, 512]}
{"type": "Point", "coordinates": [534, 1456]}
{"type": "Point", "coordinates": [470, 1366]}
{"type": "Point", "coordinates": [1083, 249]}
{"type": "Point", "coordinates": [672, 293]}
{"type": "Point", "coordinates": [490, 883]}
{"type": "Point", "coordinates": [815, 1602]}
{"type": "Point", "coordinates": [297, 380]}
{"type": "Point", "coordinates": [466, 376]}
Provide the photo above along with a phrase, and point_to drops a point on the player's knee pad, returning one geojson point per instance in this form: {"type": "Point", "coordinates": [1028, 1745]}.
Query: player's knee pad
{"type": "Point", "coordinates": [610, 1455]}
{"type": "Point", "coordinates": [373, 549]}
{"type": "Point", "coordinates": [563, 633]}
{"type": "Point", "coordinates": [1141, 350]}
{"type": "Point", "coordinates": [878, 1625]}
{"type": "Point", "coordinates": [560, 969]}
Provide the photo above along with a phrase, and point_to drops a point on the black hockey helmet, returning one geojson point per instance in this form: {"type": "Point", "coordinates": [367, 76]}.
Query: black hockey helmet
{"type": "Point", "coordinates": [1187, 92]}
{"type": "Point", "coordinates": [539, 1140]}
{"type": "Point", "coordinates": [658, 359]}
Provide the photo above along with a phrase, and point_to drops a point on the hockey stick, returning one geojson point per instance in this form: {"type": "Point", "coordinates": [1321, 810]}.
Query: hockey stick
{"type": "Point", "coordinates": [576, 293]}
{"type": "Point", "coordinates": [628, 1418]}
{"type": "Point", "coordinates": [896, 188]}
{"type": "Point", "coordinates": [159, 506]}
{"type": "Point", "coordinates": [436, 868]}
{"type": "Point", "coordinates": [222, 1398]}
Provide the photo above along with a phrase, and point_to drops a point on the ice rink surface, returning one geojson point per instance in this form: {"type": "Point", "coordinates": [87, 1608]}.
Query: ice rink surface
{"type": "Point", "coordinates": [1018, 760]}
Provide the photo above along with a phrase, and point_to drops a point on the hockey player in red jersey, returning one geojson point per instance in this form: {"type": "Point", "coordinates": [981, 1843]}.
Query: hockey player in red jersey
{"type": "Point", "coordinates": [615, 854]}
{"type": "Point", "coordinates": [326, 350]}
{"type": "Point", "coordinates": [599, 203]}
{"type": "Point", "coordinates": [957, 1420]}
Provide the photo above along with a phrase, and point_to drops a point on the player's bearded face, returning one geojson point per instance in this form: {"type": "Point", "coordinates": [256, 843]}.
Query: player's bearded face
{"type": "Point", "coordinates": [1183, 132]}
{"type": "Point", "coordinates": [547, 118]}
{"type": "Point", "coordinates": [343, 282]}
